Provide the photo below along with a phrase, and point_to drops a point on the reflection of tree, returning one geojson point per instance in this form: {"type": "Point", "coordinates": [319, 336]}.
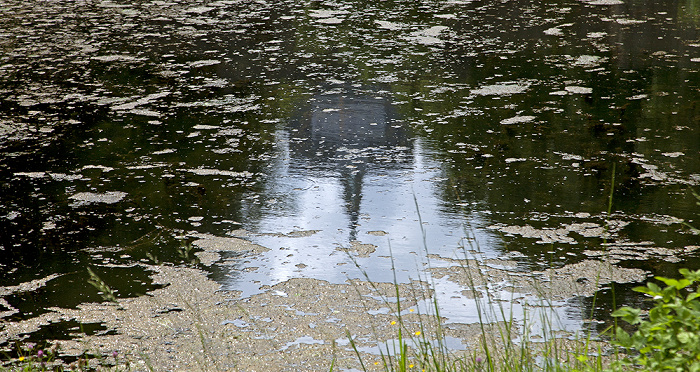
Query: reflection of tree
{"type": "Point", "coordinates": [633, 57]}
{"type": "Point", "coordinates": [347, 135]}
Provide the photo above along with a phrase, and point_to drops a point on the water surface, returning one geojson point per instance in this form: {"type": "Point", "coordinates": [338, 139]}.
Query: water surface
{"type": "Point", "coordinates": [338, 134]}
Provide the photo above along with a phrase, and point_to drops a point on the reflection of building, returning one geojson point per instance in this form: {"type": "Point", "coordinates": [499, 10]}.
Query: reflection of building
{"type": "Point", "coordinates": [348, 135]}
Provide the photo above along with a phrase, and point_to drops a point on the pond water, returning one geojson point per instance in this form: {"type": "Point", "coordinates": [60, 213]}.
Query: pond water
{"type": "Point", "coordinates": [343, 134]}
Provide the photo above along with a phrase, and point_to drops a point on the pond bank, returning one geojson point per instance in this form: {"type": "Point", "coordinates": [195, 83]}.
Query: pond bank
{"type": "Point", "coordinates": [190, 324]}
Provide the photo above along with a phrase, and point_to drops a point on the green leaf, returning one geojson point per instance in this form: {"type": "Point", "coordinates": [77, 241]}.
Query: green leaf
{"type": "Point", "coordinates": [669, 282]}
{"type": "Point", "coordinates": [669, 338]}
{"type": "Point", "coordinates": [622, 338]}
{"type": "Point", "coordinates": [655, 288]}
{"type": "Point", "coordinates": [628, 314]}
{"type": "Point", "coordinates": [685, 337]}
{"type": "Point", "coordinates": [683, 283]}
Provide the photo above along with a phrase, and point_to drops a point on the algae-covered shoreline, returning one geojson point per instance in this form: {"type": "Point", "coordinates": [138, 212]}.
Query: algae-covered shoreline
{"type": "Point", "coordinates": [190, 323]}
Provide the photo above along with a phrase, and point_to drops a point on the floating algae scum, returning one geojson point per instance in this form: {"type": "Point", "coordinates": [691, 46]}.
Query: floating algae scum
{"type": "Point", "coordinates": [303, 323]}
{"type": "Point", "coordinates": [289, 145]}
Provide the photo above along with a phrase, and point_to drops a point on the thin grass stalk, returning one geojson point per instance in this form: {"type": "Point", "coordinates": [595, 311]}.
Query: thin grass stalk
{"type": "Point", "coordinates": [442, 350]}
{"type": "Point", "coordinates": [357, 352]}
{"type": "Point", "coordinates": [472, 285]}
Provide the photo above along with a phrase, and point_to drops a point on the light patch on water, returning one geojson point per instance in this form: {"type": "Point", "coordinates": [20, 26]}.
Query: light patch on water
{"type": "Point", "coordinates": [641, 251]}
{"type": "Point", "coordinates": [553, 31]}
{"type": "Point", "coordinates": [603, 2]}
{"type": "Point", "coordinates": [638, 97]}
{"type": "Point", "coordinates": [653, 173]}
{"type": "Point", "coordinates": [141, 101]}
{"type": "Point", "coordinates": [560, 234]}
{"type": "Point", "coordinates": [566, 156]}
{"type": "Point", "coordinates": [65, 177]}
{"type": "Point", "coordinates": [627, 21]}
{"type": "Point", "coordinates": [434, 31]}
{"type": "Point", "coordinates": [514, 160]}
{"type": "Point", "coordinates": [117, 57]}
{"type": "Point", "coordinates": [228, 103]}
{"type": "Point", "coordinates": [147, 166]}
{"type": "Point", "coordinates": [429, 36]}
{"type": "Point", "coordinates": [164, 151]}
{"type": "Point", "coordinates": [330, 21]}
{"type": "Point", "coordinates": [582, 278]}
{"type": "Point", "coordinates": [12, 215]}
{"type": "Point", "coordinates": [588, 61]}
{"type": "Point", "coordinates": [324, 13]}
{"type": "Point", "coordinates": [215, 243]}
{"type": "Point", "coordinates": [502, 89]}
{"type": "Point", "coordinates": [204, 62]}
{"type": "Point", "coordinates": [109, 197]}
{"type": "Point", "coordinates": [100, 167]}
{"type": "Point", "coordinates": [329, 17]}
{"type": "Point", "coordinates": [596, 35]}
{"type": "Point", "coordinates": [585, 278]}
{"type": "Point", "coordinates": [31, 174]}
{"type": "Point", "coordinates": [145, 112]}
{"type": "Point", "coordinates": [575, 89]}
{"type": "Point", "coordinates": [201, 171]}
{"type": "Point", "coordinates": [199, 9]}
{"type": "Point", "coordinates": [518, 120]}
{"type": "Point", "coordinates": [672, 154]}
{"type": "Point", "coordinates": [556, 31]}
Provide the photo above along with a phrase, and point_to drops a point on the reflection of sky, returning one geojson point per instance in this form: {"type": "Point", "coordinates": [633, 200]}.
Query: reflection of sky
{"type": "Point", "coordinates": [388, 205]}
{"type": "Point", "coordinates": [313, 191]}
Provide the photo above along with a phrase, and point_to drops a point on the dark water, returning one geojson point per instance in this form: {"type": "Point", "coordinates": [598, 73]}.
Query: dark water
{"type": "Point", "coordinates": [128, 128]}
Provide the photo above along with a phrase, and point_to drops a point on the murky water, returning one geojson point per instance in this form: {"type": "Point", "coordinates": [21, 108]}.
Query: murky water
{"type": "Point", "coordinates": [342, 133]}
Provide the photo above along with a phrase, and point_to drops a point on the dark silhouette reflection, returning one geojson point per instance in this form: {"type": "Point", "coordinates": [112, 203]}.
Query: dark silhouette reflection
{"type": "Point", "coordinates": [346, 136]}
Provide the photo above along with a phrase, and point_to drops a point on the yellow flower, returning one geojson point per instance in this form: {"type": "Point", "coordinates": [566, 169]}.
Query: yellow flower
{"type": "Point", "coordinates": [411, 310]}
{"type": "Point", "coordinates": [393, 322]}
{"type": "Point", "coordinates": [410, 366]}
{"type": "Point", "coordinates": [21, 359]}
{"type": "Point", "coordinates": [417, 333]}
